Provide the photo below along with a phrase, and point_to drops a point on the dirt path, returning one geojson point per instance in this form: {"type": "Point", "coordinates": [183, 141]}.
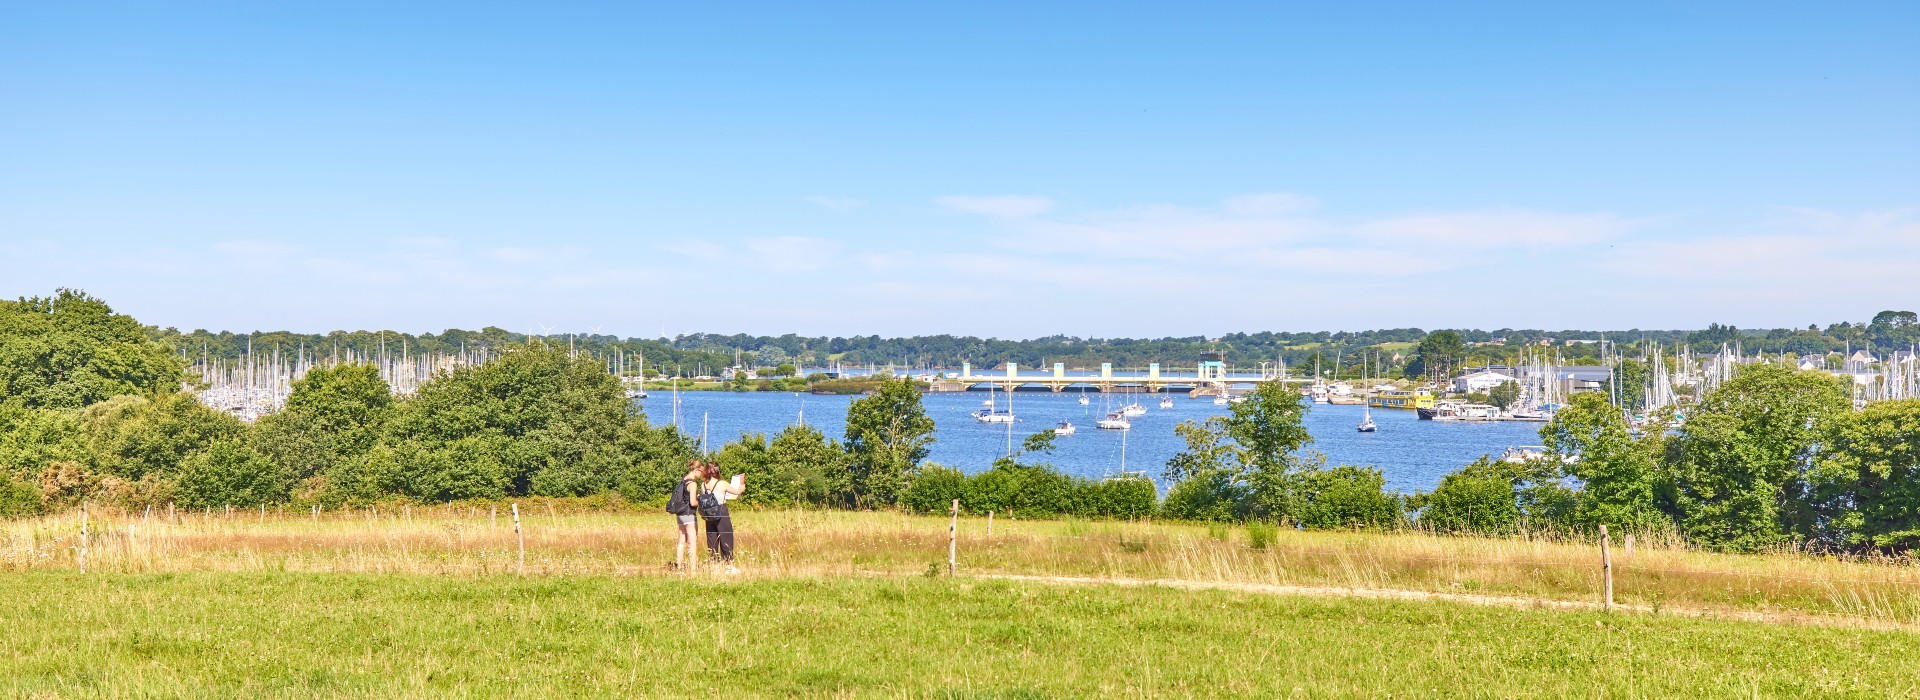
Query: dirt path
{"type": "Point", "coordinates": [1517, 602]}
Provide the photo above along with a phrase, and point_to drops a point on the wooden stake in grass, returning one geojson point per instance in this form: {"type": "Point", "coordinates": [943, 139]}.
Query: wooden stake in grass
{"type": "Point", "coordinates": [521, 538]}
{"type": "Point", "coordinates": [493, 515]}
{"type": "Point", "coordinates": [953, 538]}
{"type": "Point", "coordinates": [83, 538]}
{"type": "Point", "coordinates": [1629, 545]}
{"type": "Point", "coordinates": [989, 523]}
{"type": "Point", "coordinates": [1606, 568]}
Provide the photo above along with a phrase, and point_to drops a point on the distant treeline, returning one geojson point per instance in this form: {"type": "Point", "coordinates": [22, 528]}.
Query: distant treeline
{"type": "Point", "coordinates": [1356, 351]}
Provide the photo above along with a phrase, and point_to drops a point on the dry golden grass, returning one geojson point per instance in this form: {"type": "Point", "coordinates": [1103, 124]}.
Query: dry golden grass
{"type": "Point", "coordinates": [466, 540]}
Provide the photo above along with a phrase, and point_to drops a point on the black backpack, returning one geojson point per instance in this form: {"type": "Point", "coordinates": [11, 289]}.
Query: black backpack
{"type": "Point", "coordinates": [709, 503]}
{"type": "Point", "coordinates": [677, 503]}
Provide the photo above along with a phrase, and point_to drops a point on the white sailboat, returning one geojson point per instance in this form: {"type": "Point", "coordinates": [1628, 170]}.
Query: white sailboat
{"type": "Point", "coordinates": [1133, 410]}
{"type": "Point", "coordinates": [994, 415]}
{"type": "Point", "coordinates": [1166, 402]}
{"type": "Point", "coordinates": [1366, 420]}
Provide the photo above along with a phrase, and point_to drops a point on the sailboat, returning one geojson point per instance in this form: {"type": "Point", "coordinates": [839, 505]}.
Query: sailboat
{"type": "Point", "coordinates": [1083, 396]}
{"type": "Point", "coordinates": [994, 415]}
{"type": "Point", "coordinates": [1366, 420]}
{"type": "Point", "coordinates": [1115, 420]}
{"type": "Point", "coordinates": [1166, 402]}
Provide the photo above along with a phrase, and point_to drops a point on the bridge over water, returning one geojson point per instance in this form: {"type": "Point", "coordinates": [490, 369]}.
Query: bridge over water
{"type": "Point", "coordinates": [1207, 378]}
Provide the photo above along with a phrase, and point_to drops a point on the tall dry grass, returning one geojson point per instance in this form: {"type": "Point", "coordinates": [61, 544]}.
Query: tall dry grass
{"type": "Point", "coordinates": [467, 540]}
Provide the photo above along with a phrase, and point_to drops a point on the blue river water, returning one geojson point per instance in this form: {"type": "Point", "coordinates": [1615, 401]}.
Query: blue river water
{"type": "Point", "coordinates": [1413, 453]}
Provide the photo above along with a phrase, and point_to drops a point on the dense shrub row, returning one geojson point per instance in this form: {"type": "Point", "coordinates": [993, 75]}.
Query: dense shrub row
{"type": "Point", "coordinates": [1026, 490]}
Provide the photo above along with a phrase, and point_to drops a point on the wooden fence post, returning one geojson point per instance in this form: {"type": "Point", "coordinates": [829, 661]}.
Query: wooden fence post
{"type": "Point", "coordinates": [989, 523]}
{"type": "Point", "coordinates": [1606, 568]}
{"type": "Point", "coordinates": [521, 538]}
{"type": "Point", "coordinates": [83, 537]}
{"type": "Point", "coordinates": [1629, 545]}
{"type": "Point", "coordinates": [953, 538]}
{"type": "Point", "coordinates": [493, 515]}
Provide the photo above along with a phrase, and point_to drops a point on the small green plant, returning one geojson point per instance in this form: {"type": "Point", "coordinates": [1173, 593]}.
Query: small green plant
{"type": "Point", "coordinates": [1260, 533]}
{"type": "Point", "coordinates": [1219, 531]}
{"type": "Point", "coordinates": [933, 569]}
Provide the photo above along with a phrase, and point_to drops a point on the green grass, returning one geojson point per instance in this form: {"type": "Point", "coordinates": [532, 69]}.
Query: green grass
{"type": "Point", "coordinates": [264, 634]}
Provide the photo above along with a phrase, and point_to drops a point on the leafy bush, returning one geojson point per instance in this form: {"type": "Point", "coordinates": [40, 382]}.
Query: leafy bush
{"type": "Point", "coordinates": [229, 473]}
{"type": "Point", "coordinates": [1347, 496]}
{"type": "Point", "coordinates": [934, 489]}
{"type": "Point", "coordinates": [18, 497]}
{"type": "Point", "coordinates": [1477, 499]}
{"type": "Point", "coordinates": [1261, 533]}
{"type": "Point", "coordinates": [1212, 497]}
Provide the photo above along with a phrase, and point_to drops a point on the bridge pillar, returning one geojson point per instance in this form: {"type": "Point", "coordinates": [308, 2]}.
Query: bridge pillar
{"type": "Point", "coordinates": [1059, 369]}
{"type": "Point", "coordinates": [966, 369]}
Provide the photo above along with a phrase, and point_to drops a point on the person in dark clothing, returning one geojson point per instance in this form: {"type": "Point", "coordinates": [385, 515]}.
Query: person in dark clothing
{"type": "Point", "coordinates": [720, 527]}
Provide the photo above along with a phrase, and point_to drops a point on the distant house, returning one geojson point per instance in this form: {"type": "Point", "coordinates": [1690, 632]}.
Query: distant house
{"type": "Point", "coordinates": [1812, 362]}
{"type": "Point", "coordinates": [1861, 357]}
{"type": "Point", "coordinates": [1474, 382]}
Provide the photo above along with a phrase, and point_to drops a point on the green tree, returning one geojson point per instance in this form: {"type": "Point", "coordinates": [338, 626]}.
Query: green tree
{"type": "Point", "coordinates": [334, 414]}
{"type": "Point", "coordinates": [1504, 394]}
{"type": "Point", "coordinates": [1866, 478]}
{"type": "Point", "coordinates": [1438, 355]}
{"type": "Point", "coordinates": [1244, 464]}
{"type": "Point", "coordinates": [487, 431]}
{"type": "Point", "coordinates": [71, 350]}
{"type": "Point", "coordinates": [131, 437]}
{"type": "Point", "coordinates": [1738, 465]}
{"type": "Point", "coordinates": [30, 439]}
{"type": "Point", "coordinates": [800, 459]}
{"type": "Point", "coordinates": [1618, 474]}
{"type": "Point", "coordinates": [888, 434]}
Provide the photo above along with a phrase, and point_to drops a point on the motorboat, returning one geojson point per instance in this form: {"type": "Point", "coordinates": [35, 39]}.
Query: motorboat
{"type": "Point", "coordinates": [1451, 411]}
{"type": "Point", "coordinates": [1133, 410]}
{"type": "Point", "coordinates": [1166, 402]}
{"type": "Point", "coordinates": [1222, 400]}
{"type": "Point", "coordinates": [1114, 421]}
{"type": "Point", "coordinates": [1065, 428]}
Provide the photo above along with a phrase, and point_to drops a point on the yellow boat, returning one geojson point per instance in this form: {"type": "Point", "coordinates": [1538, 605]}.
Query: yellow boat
{"type": "Point", "coordinates": [1397, 398]}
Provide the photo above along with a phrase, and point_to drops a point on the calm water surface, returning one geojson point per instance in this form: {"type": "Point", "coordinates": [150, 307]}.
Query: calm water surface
{"type": "Point", "coordinates": [1413, 453]}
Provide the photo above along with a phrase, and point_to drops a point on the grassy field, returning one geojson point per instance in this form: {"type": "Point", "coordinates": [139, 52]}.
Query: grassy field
{"type": "Point", "coordinates": [470, 541]}
{"type": "Point", "coordinates": [414, 602]}
{"type": "Point", "coordinates": [271, 634]}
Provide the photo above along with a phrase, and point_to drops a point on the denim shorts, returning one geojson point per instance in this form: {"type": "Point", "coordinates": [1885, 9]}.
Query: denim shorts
{"type": "Point", "coordinates": [686, 519]}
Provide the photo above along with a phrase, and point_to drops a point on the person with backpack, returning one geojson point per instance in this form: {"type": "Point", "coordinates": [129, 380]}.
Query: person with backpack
{"type": "Point", "coordinates": [681, 503]}
{"type": "Point", "coordinates": [713, 508]}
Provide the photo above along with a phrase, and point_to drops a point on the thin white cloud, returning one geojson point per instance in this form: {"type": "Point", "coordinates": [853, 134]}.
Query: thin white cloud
{"type": "Point", "coordinates": [999, 206]}
{"type": "Point", "coordinates": [1495, 229]}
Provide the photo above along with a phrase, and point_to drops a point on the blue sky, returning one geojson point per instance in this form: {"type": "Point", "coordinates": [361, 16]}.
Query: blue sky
{"type": "Point", "coordinates": [1010, 170]}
